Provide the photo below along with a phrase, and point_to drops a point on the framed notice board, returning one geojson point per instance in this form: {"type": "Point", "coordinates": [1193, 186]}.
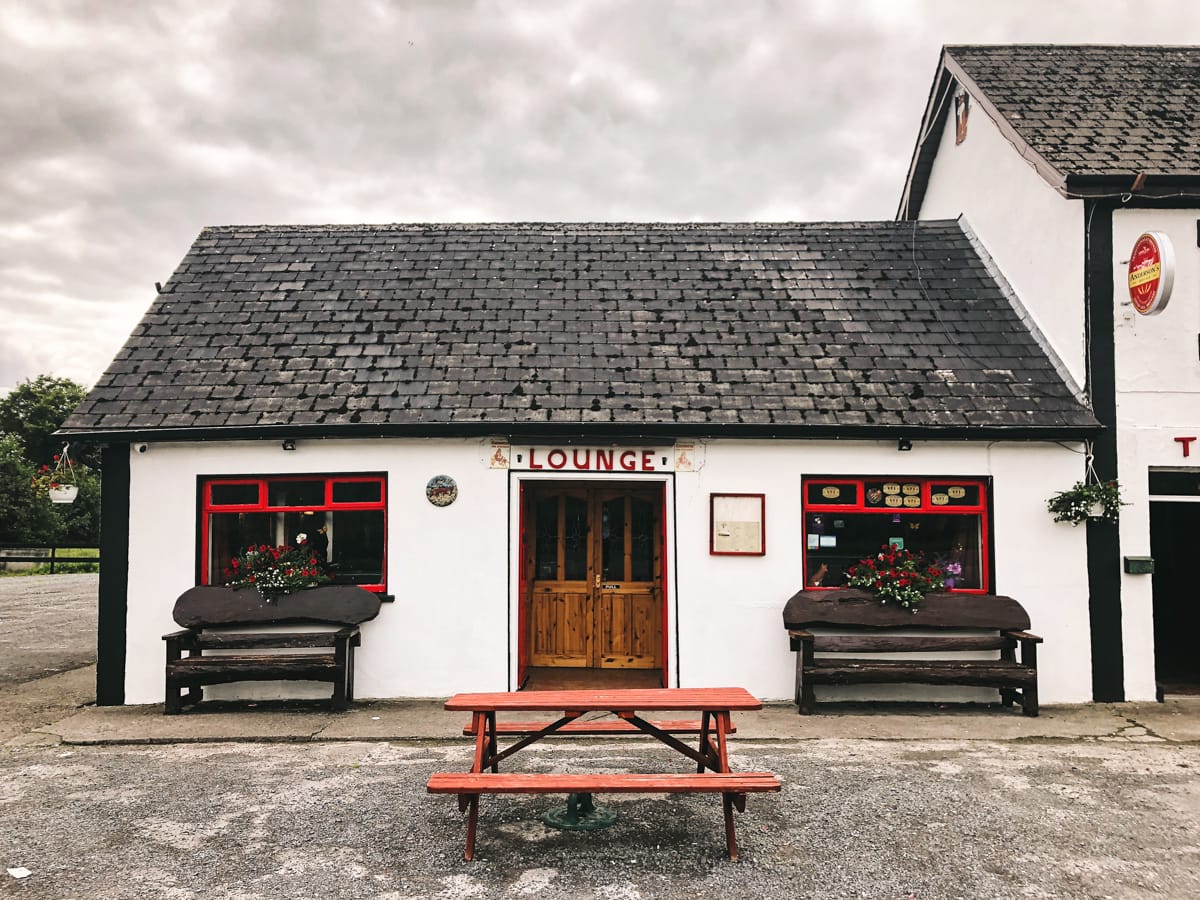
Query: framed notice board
{"type": "Point", "coordinates": [737, 524]}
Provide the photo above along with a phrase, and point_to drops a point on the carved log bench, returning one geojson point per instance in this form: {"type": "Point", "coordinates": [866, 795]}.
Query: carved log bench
{"type": "Point", "coordinates": [844, 624]}
{"type": "Point", "coordinates": [234, 623]}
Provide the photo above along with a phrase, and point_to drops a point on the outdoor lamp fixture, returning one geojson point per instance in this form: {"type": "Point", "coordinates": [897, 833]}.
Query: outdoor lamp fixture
{"type": "Point", "coordinates": [904, 444]}
{"type": "Point", "coordinates": [289, 445]}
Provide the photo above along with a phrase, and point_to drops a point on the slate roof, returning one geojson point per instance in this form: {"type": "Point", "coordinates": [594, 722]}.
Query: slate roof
{"type": "Point", "coordinates": [681, 329]}
{"type": "Point", "coordinates": [1090, 118]}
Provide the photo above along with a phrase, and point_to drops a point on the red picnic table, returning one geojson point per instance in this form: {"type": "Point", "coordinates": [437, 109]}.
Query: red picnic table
{"type": "Point", "coordinates": [712, 773]}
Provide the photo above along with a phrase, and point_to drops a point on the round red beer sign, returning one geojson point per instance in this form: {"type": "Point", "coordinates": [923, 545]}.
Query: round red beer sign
{"type": "Point", "coordinates": [1151, 273]}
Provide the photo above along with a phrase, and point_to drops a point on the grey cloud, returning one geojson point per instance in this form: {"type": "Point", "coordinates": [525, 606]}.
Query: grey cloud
{"type": "Point", "coordinates": [125, 128]}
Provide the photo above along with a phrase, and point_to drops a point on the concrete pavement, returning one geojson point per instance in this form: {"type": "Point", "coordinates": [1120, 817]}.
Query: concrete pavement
{"type": "Point", "coordinates": [1177, 721]}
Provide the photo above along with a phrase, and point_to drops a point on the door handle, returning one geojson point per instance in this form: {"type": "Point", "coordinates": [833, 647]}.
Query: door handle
{"type": "Point", "coordinates": [597, 579]}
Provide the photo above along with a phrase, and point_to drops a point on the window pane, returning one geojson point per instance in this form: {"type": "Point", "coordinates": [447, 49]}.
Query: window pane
{"type": "Point", "coordinates": [356, 546]}
{"type": "Point", "coordinates": [839, 540]}
{"type": "Point", "coordinates": [312, 525]}
{"type": "Point", "coordinates": [575, 540]}
{"type": "Point", "coordinates": [231, 533]}
{"type": "Point", "coordinates": [234, 495]}
{"type": "Point", "coordinates": [296, 493]}
{"type": "Point", "coordinates": [613, 540]}
{"type": "Point", "coordinates": [357, 492]}
{"type": "Point", "coordinates": [641, 551]}
{"type": "Point", "coordinates": [546, 541]}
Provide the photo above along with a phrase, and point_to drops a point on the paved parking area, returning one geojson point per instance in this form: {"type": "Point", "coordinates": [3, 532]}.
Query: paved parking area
{"type": "Point", "coordinates": [47, 625]}
{"type": "Point", "coordinates": [858, 818]}
{"type": "Point", "coordinates": [291, 801]}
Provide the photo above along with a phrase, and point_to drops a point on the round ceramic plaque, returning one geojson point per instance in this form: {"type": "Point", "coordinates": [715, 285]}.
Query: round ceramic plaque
{"type": "Point", "coordinates": [441, 490]}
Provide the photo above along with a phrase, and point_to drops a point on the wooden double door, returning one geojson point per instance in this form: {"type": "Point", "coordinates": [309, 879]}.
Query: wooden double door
{"type": "Point", "coordinates": [592, 579]}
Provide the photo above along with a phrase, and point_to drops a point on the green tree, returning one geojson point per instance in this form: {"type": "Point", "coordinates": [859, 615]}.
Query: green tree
{"type": "Point", "coordinates": [35, 409]}
{"type": "Point", "coordinates": [29, 416]}
{"type": "Point", "coordinates": [26, 517]}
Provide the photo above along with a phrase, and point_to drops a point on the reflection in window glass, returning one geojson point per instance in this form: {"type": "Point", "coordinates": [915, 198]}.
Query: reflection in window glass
{"type": "Point", "coordinates": [575, 540]}
{"type": "Point", "coordinates": [546, 541]}
{"type": "Point", "coordinates": [842, 539]}
{"type": "Point", "coordinates": [356, 546]}
{"type": "Point", "coordinates": [357, 491]}
{"type": "Point", "coordinates": [641, 550]}
{"type": "Point", "coordinates": [296, 493]}
{"type": "Point", "coordinates": [613, 539]}
{"type": "Point", "coordinates": [231, 533]}
{"type": "Point", "coordinates": [235, 495]}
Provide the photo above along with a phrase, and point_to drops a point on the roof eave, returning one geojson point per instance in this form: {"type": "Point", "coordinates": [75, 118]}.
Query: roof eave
{"type": "Point", "coordinates": [1128, 186]}
{"type": "Point", "coordinates": [601, 431]}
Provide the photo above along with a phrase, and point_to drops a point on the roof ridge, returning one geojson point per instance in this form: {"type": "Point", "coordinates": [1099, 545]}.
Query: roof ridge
{"type": "Point", "coordinates": [542, 224]}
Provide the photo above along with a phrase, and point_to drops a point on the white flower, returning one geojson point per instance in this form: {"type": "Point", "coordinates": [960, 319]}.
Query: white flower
{"type": "Point", "coordinates": [301, 538]}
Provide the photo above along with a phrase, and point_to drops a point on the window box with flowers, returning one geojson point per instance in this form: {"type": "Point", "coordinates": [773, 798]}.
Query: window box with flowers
{"type": "Point", "coordinates": [277, 571]}
{"type": "Point", "coordinates": [898, 576]}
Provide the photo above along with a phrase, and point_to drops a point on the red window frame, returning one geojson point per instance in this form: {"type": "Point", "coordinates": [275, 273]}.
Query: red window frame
{"type": "Point", "coordinates": [927, 506]}
{"type": "Point", "coordinates": [262, 505]}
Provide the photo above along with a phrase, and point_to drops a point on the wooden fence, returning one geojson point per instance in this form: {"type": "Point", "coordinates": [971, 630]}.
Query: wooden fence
{"type": "Point", "coordinates": [38, 554]}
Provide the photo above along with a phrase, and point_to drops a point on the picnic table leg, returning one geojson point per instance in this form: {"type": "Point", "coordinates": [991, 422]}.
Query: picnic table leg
{"type": "Point", "coordinates": [484, 725]}
{"type": "Point", "coordinates": [722, 741]}
{"type": "Point", "coordinates": [730, 834]}
{"type": "Point", "coordinates": [472, 825]}
{"type": "Point", "coordinates": [705, 738]}
{"type": "Point", "coordinates": [493, 743]}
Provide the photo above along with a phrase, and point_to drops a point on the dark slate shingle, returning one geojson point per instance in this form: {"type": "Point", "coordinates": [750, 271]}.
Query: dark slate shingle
{"type": "Point", "coordinates": [1096, 110]}
{"type": "Point", "coordinates": [728, 325]}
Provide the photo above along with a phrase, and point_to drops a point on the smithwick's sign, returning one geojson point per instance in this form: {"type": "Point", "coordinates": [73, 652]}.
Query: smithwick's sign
{"type": "Point", "coordinates": [1151, 273]}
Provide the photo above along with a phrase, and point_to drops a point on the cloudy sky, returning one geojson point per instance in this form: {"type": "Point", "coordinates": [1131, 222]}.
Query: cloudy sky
{"type": "Point", "coordinates": [126, 126]}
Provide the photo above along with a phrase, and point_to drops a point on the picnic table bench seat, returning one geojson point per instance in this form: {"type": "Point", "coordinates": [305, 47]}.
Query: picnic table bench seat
{"type": "Point", "coordinates": [225, 642]}
{"type": "Point", "coordinates": [595, 728]}
{"type": "Point", "coordinates": [732, 786]}
{"type": "Point", "coordinates": [853, 625]}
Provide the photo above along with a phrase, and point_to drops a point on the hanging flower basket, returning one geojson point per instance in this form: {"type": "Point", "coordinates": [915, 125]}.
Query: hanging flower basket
{"type": "Point", "coordinates": [1082, 501]}
{"type": "Point", "coordinates": [64, 493]}
{"type": "Point", "coordinates": [60, 482]}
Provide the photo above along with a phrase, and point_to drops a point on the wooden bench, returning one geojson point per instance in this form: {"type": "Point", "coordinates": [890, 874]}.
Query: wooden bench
{"type": "Point", "coordinates": [605, 728]}
{"type": "Point", "coordinates": [223, 619]}
{"type": "Point", "coordinates": [858, 623]}
{"type": "Point", "coordinates": [732, 786]}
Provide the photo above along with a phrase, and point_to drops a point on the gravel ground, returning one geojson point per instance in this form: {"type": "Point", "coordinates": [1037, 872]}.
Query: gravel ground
{"type": "Point", "coordinates": [47, 625]}
{"type": "Point", "coordinates": [857, 818]}
{"type": "Point", "coordinates": [877, 819]}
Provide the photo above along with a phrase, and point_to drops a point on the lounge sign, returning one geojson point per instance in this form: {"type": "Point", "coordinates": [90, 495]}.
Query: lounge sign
{"type": "Point", "coordinates": [592, 459]}
{"type": "Point", "coordinates": [1151, 273]}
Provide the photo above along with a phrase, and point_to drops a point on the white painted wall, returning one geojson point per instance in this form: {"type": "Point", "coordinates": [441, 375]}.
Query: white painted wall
{"type": "Point", "coordinates": [447, 566]}
{"type": "Point", "coordinates": [1158, 399]}
{"type": "Point", "coordinates": [452, 569]}
{"type": "Point", "coordinates": [1034, 235]}
{"type": "Point", "coordinates": [730, 608]}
